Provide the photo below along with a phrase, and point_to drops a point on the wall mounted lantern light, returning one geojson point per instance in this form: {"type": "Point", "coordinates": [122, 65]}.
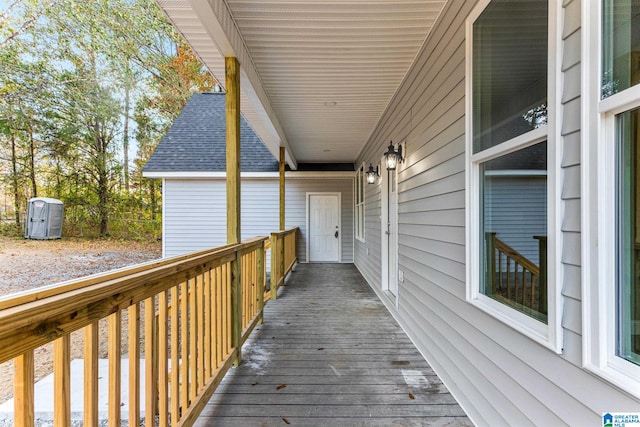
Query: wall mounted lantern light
{"type": "Point", "coordinates": [372, 174]}
{"type": "Point", "coordinates": [393, 156]}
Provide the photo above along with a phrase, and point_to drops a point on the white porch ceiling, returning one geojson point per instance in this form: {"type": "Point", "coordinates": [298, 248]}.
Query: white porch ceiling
{"type": "Point", "coordinates": [317, 74]}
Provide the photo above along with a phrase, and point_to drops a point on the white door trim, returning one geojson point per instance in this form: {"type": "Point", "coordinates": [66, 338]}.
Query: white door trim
{"type": "Point", "coordinates": [308, 219]}
{"type": "Point", "coordinates": [384, 255]}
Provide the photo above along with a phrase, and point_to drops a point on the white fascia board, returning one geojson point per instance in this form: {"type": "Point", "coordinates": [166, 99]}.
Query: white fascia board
{"type": "Point", "coordinates": [253, 175]}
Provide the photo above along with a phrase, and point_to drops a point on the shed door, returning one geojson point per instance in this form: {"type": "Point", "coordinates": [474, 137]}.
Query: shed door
{"type": "Point", "coordinates": [38, 222]}
{"type": "Point", "coordinates": [324, 227]}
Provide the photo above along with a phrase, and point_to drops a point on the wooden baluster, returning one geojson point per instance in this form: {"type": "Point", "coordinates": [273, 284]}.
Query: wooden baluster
{"type": "Point", "coordinates": [508, 278]}
{"type": "Point", "coordinates": [533, 290]}
{"type": "Point", "coordinates": [184, 348]}
{"type": "Point", "coordinates": [163, 361]}
{"type": "Point", "coordinates": [23, 404]}
{"type": "Point", "coordinates": [208, 322]}
{"type": "Point", "coordinates": [499, 272]}
{"type": "Point", "coordinates": [134, 365]}
{"type": "Point", "coordinates": [281, 256]}
{"type": "Point", "coordinates": [217, 307]}
{"type": "Point", "coordinates": [193, 337]}
{"type": "Point", "coordinates": [228, 308]}
{"type": "Point", "coordinates": [243, 292]}
{"type": "Point", "coordinates": [524, 286]}
{"type": "Point", "coordinates": [236, 307]}
{"type": "Point", "coordinates": [260, 280]}
{"type": "Point", "coordinates": [516, 272]}
{"type": "Point", "coordinates": [91, 375]}
{"type": "Point", "coordinates": [274, 266]}
{"type": "Point", "coordinates": [62, 381]}
{"type": "Point", "coordinates": [115, 368]}
{"type": "Point", "coordinates": [175, 356]}
{"type": "Point", "coordinates": [200, 355]}
{"type": "Point", "coordinates": [251, 281]}
{"type": "Point", "coordinates": [150, 362]}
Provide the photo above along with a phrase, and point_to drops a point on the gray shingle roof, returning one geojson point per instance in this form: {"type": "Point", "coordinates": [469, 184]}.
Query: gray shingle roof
{"type": "Point", "coordinates": [196, 141]}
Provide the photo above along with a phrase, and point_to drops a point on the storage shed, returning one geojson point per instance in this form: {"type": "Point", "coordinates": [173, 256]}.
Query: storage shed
{"type": "Point", "coordinates": [44, 219]}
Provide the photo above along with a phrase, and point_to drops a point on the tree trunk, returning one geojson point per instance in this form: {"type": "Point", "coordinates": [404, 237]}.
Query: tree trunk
{"type": "Point", "coordinates": [125, 142]}
{"type": "Point", "coordinates": [32, 163]}
{"type": "Point", "coordinates": [14, 179]}
{"type": "Point", "coordinates": [103, 181]}
{"type": "Point", "coordinates": [152, 196]}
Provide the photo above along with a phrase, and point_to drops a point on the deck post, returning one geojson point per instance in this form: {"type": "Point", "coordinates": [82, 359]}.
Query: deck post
{"type": "Point", "coordinates": [281, 188]}
{"type": "Point", "coordinates": [542, 280]}
{"type": "Point", "coordinates": [232, 70]}
{"type": "Point", "coordinates": [491, 262]}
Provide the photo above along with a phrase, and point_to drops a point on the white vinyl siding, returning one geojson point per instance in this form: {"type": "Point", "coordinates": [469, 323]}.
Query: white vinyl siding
{"type": "Point", "coordinates": [499, 376]}
{"type": "Point", "coordinates": [188, 209]}
{"type": "Point", "coordinates": [195, 212]}
{"type": "Point", "coordinates": [512, 198]}
{"type": "Point", "coordinates": [296, 190]}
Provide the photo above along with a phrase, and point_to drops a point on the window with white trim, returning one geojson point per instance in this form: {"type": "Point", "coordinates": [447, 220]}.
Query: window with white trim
{"type": "Point", "coordinates": [511, 166]}
{"type": "Point", "coordinates": [359, 186]}
{"type": "Point", "coordinates": [611, 195]}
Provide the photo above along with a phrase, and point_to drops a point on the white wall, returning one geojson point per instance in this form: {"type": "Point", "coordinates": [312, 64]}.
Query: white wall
{"type": "Point", "coordinates": [194, 216]}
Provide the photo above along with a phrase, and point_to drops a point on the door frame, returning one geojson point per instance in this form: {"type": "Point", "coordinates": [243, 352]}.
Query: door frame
{"type": "Point", "coordinates": [308, 219]}
{"type": "Point", "coordinates": [384, 249]}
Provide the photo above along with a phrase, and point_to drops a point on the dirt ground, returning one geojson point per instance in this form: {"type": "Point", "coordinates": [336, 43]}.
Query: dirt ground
{"type": "Point", "coordinates": [27, 264]}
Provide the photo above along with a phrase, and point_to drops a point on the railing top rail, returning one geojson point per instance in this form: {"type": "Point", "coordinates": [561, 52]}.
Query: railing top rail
{"type": "Point", "coordinates": [517, 256]}
{"type": "Point", "coordinates": [286, 231]}
{"type": "Point", "coordinates": [35, 321]}
{"type": "Point", "coordinates": [13, 300]}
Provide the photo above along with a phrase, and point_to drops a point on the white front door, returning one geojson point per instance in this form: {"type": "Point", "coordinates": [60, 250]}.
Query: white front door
{"type": "Point", "coordinates": [324, 227]}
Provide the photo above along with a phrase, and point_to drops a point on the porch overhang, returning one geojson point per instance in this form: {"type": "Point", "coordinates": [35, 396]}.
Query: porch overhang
{"type": "Point", "coordinates": [316, 76]}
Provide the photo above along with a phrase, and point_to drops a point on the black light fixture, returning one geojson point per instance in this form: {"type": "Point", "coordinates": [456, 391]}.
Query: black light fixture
{"type": "Point", "coordinates": [393, 156]}
{"type": "Point", "coordinates": [372, 174]}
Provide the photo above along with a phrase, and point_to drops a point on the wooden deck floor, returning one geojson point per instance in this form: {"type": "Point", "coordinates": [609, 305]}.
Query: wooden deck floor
{"type": "Point", "coordinates": [330, 354]}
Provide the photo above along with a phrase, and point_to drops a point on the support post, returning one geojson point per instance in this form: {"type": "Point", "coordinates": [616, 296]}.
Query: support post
{"type": "Point", "coordinates": [281, 188]}
{"type": "Point", "coordinates": [232, 71]}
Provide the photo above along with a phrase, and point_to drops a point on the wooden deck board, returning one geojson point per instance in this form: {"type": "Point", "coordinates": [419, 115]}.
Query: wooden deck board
{"type": "Point", "coordinates": [329, 354]}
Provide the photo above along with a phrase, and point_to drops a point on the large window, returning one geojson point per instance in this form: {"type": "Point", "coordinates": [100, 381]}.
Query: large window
{"type": "Point", "coordinates": [359, 186]}
{"type": "Point", "coordinates": [628, 289]}
{"type": "Point", "coordinates": [611, 197]}
{"type": "Point", "coordinates": [510, 165]}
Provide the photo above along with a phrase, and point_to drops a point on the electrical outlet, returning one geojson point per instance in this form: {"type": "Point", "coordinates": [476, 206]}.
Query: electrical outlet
{"type": "Point", "coordinates": [401, 276]}
{"type": "Point", "coordinates": [367, 251]}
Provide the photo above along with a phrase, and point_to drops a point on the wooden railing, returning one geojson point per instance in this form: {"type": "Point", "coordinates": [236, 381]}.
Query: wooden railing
{"type": "Point", "coordinates": [514, 277]}
{"type": "Point", "coordinates": [283, 257]}
{"type": "Point", "coordinates": [186, 316]}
